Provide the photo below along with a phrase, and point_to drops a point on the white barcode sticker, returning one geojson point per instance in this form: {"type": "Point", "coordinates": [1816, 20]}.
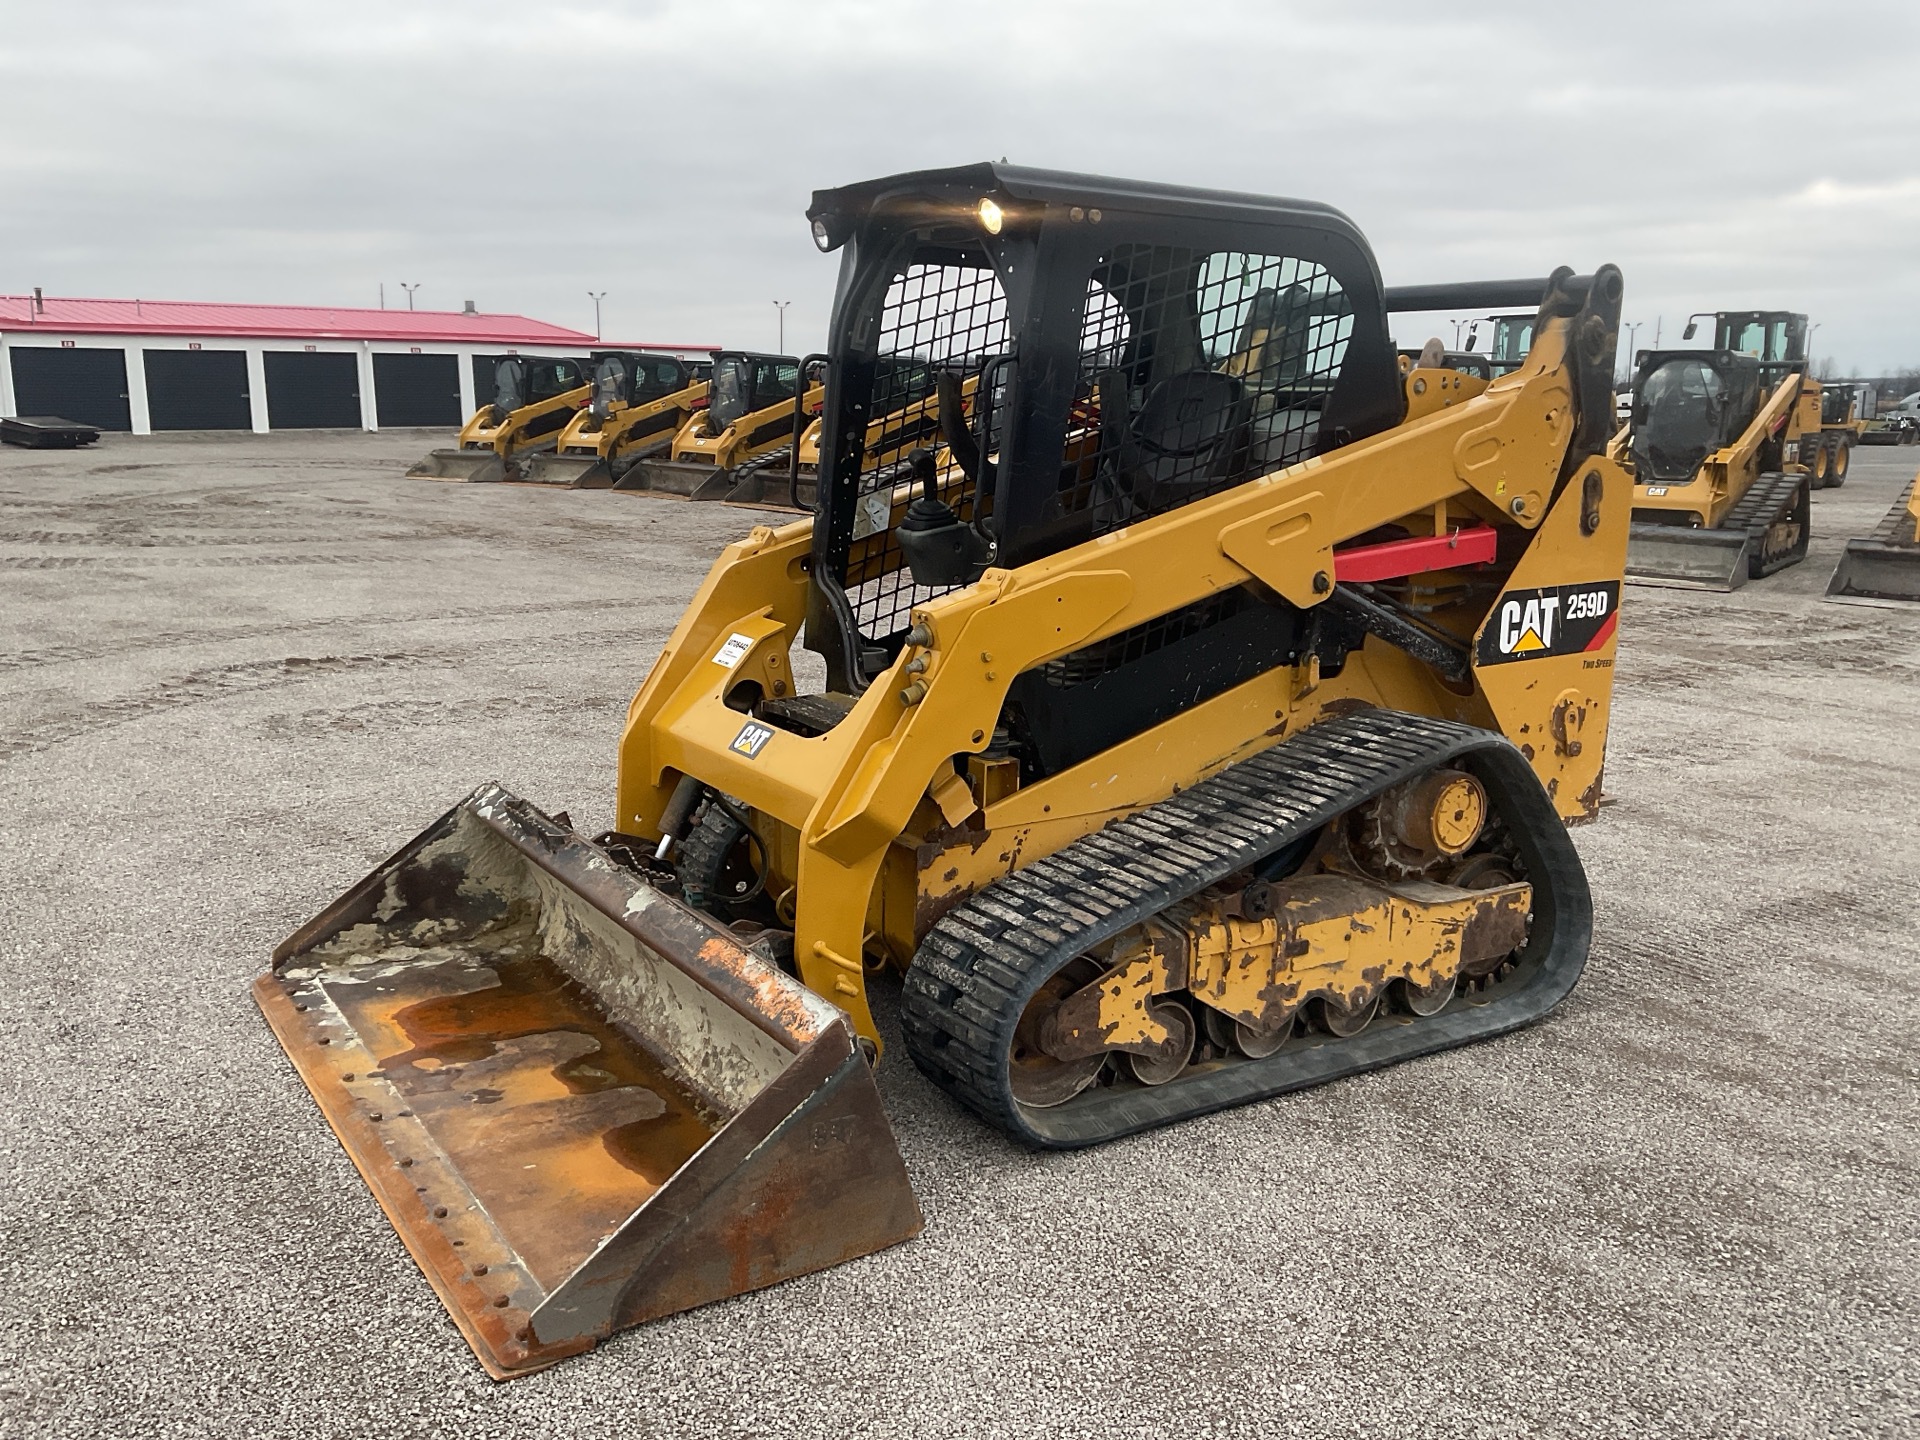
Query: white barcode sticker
{"type": "Point", "coordinates": [728, 655]}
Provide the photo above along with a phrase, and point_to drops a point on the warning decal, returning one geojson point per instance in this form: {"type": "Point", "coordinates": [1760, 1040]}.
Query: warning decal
{"type": "Point", "coordinates": [1556, 620]}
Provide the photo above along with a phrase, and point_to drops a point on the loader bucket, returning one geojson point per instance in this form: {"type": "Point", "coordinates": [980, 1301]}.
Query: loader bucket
{"type": "Point", "coordinates": [478, 466]}
{"type": "Point", "coordinates": [574, 472]}
{"type": "Point", "coordinates": [687, 479]}
{"type": "Point", "coordinates": [1877, 569]}
{"type": "Point", "coordinates": [1687, 559]}
{"type": "Point", "coordinates": [582, 1105]}
{"type": "Point", "coordinates": [1886, 564]}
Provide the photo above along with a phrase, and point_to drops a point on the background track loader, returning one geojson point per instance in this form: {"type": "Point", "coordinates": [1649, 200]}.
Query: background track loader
{"type": "Point", "coordinates": [1715, 444]}
{"type": "Point", "coordinates": [755, 411]}
{"type": "Point", "coordinates": [640, 402]}
{"type": "Point", "coordinates": [534, 398]}
{"type": "Point", "coordinates": [1201, 721]}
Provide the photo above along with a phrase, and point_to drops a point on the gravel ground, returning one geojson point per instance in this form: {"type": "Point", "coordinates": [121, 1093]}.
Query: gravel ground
{"type": "Point", "coordinates": [234, 673]}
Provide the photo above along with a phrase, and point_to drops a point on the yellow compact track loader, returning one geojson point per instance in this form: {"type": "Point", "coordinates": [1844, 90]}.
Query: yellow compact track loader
{"type": "Point", "coordinates": [534, 398]}
{"type": "Point", "coordinates": [788, 478]}
{"type": "Point", "coordinates": [1202, 719]}
{"type": "Point", "coordinates": [640, 402]}
{"type": "Point", "coordinates": [1719, 496]}
{"type": "Point", "coordinates": [755, 409]}
{"type": "Point", "coordinates": [1885, 565]}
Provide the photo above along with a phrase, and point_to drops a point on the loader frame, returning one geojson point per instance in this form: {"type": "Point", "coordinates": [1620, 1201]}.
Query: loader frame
{"type": "Point", "coordinates": [872, 833]}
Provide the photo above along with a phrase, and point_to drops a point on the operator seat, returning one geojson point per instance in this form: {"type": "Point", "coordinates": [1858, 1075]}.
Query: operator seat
{"type": "Point", "coordinates": [1189, 439]}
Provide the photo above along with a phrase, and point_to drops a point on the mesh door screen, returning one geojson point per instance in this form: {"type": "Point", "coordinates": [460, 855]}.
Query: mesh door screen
{"type": "Point", "coordinates": [1198, 371]}
{"type": "Point", "coordinates": [935, 317]}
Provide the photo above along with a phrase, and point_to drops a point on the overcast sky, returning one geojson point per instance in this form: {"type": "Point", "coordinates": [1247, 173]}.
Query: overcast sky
{"type": "Point", "coordinates": [1724, 155]}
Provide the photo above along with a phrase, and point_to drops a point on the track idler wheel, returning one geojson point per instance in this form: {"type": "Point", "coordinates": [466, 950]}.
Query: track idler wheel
{"type": "Point", "coordinates": [1036, 1077]}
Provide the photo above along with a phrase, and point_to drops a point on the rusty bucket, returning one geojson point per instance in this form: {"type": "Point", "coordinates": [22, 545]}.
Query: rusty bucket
{"type": "Point", "coordinates": [582, 1105]}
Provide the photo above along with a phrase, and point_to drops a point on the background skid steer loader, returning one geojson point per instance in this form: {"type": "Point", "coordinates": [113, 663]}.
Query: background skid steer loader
{"type": "Point", "coordinates": [1719, 496]}
{"type": "Point", "coordinates": [755, 406]}
{"type": "Point", "coordinates": [534, 398]}
{"type": "Point", "coordinates": [1167, 751]}
{"type": "Point", "coordinates": [640, 402]}
{"type": "Point", "coordinates": [788, 478]}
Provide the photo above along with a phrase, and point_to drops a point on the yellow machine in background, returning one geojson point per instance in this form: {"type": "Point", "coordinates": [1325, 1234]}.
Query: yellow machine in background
{"type": "Point", "coordinates": [1717, 445]}
{"type": "Point", "coordinates": [788, 478]}
{"type": "Point", "coordinates": [754, 406]}
{"type": "Point", "coordinates": [1886, 564]}
{"type": "Point", "coordinates": [1202, 718]}
{"type": "Point", "coordinates": [640, 402]}
{"type": "Point", "coordinates": [534, 398]}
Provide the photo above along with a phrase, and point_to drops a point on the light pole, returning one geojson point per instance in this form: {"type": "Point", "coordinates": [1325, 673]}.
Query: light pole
{"type": "Point", "coordinates": [780, 308]}
{"type": "Point", "coordinates": [596, 296]}
{"type": "Point", "coordinates": [409, 289]}
{"type": "Point", "coordinates": [1632, 330]}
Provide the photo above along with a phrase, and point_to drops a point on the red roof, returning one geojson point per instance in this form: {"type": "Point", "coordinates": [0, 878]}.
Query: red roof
{"type": "Point", "coordinates": [186, 317]}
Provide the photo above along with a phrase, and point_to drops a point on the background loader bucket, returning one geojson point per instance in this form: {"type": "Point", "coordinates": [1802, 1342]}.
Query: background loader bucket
{"type": "Point", "coordinates": [1686, 558]}
{"type": "Point", "coordinates": [582, 1105]}
{"type": "Point", "coordinates": [687, 479]}
{"type": "Point", "coordinates": [1886, 564]}
{"type": "Point", "coordinates": [473, 465]}
{"type": "Point", "coordinates": [1877, 569]}
{"type": "Point", "coordinates": [575, 472]}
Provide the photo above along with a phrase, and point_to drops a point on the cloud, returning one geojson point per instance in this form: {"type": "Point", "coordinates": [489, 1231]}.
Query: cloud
{"type": "Point", "coordinates": [664, 152]}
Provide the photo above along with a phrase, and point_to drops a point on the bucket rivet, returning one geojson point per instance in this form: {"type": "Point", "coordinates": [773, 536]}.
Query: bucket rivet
{"type": "Point", "coordinates": [479, 1269]}
{"type": "Point", "coordinates": [373, 1115]}
{"type": "Point", "coordinates": [347, 1076]}
{"type": "Point", "coordinates": [500, 1302]}
{"type": "Point", "coordinates": [439, 1212]}
{"type": "Point", "coordinates": [406, 1161]}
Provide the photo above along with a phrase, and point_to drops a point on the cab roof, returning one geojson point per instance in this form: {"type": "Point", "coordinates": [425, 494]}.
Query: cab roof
{"type": "Point", "coordinates": [1065, 187]}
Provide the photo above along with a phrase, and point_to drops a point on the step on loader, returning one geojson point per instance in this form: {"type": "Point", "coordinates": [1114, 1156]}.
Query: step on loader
{"type": "Point", "coordinates": [756, 409]}
{"type": "Point", "coordinates": [534, 398]}
{"type": "Point", "coordinates": [1886, 564]}
{"type": "Point", "coordinates": [1202, 720]}
{"type": "Point", "coordinates": [640, 402]}
{"type": "Point", "coordinates": [1720, 495]}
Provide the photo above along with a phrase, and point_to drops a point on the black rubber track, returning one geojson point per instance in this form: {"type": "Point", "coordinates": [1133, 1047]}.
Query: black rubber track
{"type": "Point", "coordinates": [1770, 500]}
{"type": "Point", "coordinates": [984, 960]}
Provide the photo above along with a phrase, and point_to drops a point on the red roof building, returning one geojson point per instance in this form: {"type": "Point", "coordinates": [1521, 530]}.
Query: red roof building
{"type": "Point", "coordinates": [145, 365]}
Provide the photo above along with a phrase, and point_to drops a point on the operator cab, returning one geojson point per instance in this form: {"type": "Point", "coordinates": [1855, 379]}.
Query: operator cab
{"type": "Point", "coordinates": [744, 382]}
{"type": "Point", "coordinates": [1512, 339]}
{"type": "Point", "coordinates": [1103, 352]}
{"type": "Point", "coordinates": [521, 380]}
{"type": "Point", "coordinates": [1686, 405]}
{"type": "Point", "coordinates": [1776, 338]}
{"type": "Point", "coordinates": [633, 377]}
